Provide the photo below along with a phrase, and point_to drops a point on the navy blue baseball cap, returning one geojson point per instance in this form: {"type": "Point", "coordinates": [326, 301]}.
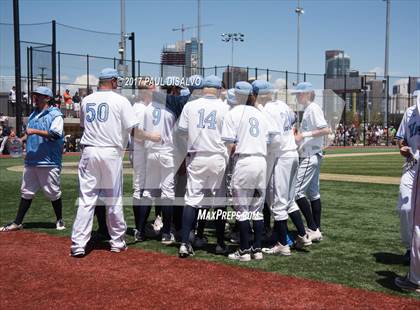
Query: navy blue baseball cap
{"type": "Point", "coordinates": [42, 90]}
{"type": "Point", "coordinates": [108, 74]}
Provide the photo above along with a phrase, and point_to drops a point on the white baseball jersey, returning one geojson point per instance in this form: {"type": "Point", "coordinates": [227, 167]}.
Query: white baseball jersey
{"type": "Point", "coordinates": [248, 128]}
{"type": "Point", "coordinates": [203, 119]}
{"type": "Point", "coordinates": [107, 118]}
{"type": "Point", "coordinates": [410, 128]}
{"type": "Point", "coordinates": [282, 118]}
{"type": "Point", "coordinates": [140, 111]}
{"type": "Point", "coordinates": [312, 119]}
{"type": "Point", "coordinates": [159, 119]}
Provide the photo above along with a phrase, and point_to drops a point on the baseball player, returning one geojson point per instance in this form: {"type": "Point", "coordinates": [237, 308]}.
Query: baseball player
{"type": "Point", "coordinates": [310, 141]}
{"type": "Point", "coordinates": [406, 143]}
{"type": "Point", "coordinates": [202, 120]}
{"type": "Point", "coordinates": [282, 164]}
{"type": "Point", "coordinates": [107, 119]}
{"type": "Point", "coordinates": [44, 147]}
{"type": "Point", "coordinates": [139, 156]}
{"type": "Point", "coordinates": [160, 168]}
{"type": "Point", "coordinates": [246, 130]}
{"type": "Point", "coordinates": [412, 281]}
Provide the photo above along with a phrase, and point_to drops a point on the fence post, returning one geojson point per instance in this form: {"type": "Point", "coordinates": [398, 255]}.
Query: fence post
{"type": "Point", "coordinates": [268, 73]}
{"type": "Point", "coordinates": [59, 71]}
{"type": "Point", "coordinates": [387, 110]}
{"type": "Point", "coordinates": [287, 82]}
{"type": "Point", "coordinates": [228, 77]}
{"type": "Point", "coordinates": [304, 76]}
{"type": "Point", "coordinates": [27, 82]}
{"type": "Point", "coordinates": [115, 63]}
{"type": "Point", "coordinates": [32, 70]}
{"type": "Point", "coordinates": [345, 108]}
{"type": "Point", "coordinates": [409, 92]}
{"type": "Point", "coordinates": [325, 79]}
{"type": "Point", "coordinates": [87, 72]}
{"type": "Point", "coordinates": [256, 73]}
{"type": "Point", "coordinates": [54, 60]}
{"type": "Point", "coordinates": [138, 67]}
{"type": "Point", "coordinates": [247, 73]}
{"type": "Point", "coordinates": [215, 70]}
{"type": "Point", "coordinates": [364, 110]}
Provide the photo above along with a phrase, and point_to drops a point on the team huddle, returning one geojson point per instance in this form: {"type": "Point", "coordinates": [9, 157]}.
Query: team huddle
{"type": "Point", "coordinates": [188, 142]}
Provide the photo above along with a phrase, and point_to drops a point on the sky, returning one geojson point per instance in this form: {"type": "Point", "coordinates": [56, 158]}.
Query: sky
{"type": "Point", "coordinates": [356, 26]}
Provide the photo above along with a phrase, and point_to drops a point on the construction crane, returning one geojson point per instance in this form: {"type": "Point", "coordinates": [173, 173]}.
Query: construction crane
{"type": "Point", "coordinates": [183, 28]}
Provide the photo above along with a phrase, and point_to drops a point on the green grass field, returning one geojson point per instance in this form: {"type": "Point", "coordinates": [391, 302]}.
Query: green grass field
{"type": "Point", "coordinates": [361, 247]}
{"type": "Point", "coordinates": [349, 150]}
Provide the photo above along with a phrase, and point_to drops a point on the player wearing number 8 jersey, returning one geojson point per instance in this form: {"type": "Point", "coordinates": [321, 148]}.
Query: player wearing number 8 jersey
{"type": "Point", "coordinates": [107, 119]}
{"type": "Point", "coordinates": [246, 130]}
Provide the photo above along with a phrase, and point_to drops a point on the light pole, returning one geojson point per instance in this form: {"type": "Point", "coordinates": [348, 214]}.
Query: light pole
{"type": "Point", "coordinates": [232, 37]}
{"type": "Point", "coordinates": [299, 11]}
{"type": "Point", "coordinates": [386, 67]}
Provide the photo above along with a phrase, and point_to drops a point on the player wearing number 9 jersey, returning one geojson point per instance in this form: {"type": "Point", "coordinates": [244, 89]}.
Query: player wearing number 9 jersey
{"type": "Point", "coordinates": [159, 183]}
{"type": "Point", "coordinates": [107, 119]}
{"type": "Point", "coordinates": [246, 129]}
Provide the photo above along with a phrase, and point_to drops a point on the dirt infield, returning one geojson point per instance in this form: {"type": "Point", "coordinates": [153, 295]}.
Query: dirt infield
{"type": "Point", "coordinates": [37, 272]}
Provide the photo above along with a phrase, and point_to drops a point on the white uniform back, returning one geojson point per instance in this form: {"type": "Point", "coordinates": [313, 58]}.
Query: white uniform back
{"type": "Point", "coordinates": [410, 128]}
{"type": "Point", "coordinates": [140, 111]}
{"type": "Point", "coordinates": [248, 128]}
{"type": "Point", "coordinates": [312, 119]}
{"type": "Point", "coordinates": [159, 119]}
{"type": "Point", "coordinates": [106, 117]}
{"type": "Point", "coordinates": [203, 119]}
{"type": "Point", "coordinates": [282, 118]}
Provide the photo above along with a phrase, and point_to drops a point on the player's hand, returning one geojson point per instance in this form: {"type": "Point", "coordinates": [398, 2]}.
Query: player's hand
{"type": "Point", "coordinates": [405, 151]}
{"type": "Point", "coordinates": [155, 137]}
{"type": "Point", "coordinates": [298, 138]}
{"type": "Point", "coordinates": [30, 131]}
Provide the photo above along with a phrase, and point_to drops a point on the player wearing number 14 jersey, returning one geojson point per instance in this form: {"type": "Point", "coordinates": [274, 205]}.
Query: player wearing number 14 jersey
{"type": "Point", "coordinates": [107, 119]}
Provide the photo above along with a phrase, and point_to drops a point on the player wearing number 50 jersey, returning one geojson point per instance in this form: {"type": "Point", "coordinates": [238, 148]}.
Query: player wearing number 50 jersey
{"type": "Point", "coordinates": [107, 119]}
{"type": "Point", "coordinates": [246, 130]}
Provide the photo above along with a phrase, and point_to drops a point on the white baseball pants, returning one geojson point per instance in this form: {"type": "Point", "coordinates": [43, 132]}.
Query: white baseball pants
{"type": "Point", "coordinates": [205, 173]}
{"type": "Point", "coordinates": [45, 178]}
{"type": "Point", "coordinates": [100, 175]}
{"type": "Point", "coordinates": [307, 181]}
{"type": "Point", "coordinates": [414, 274]}
{"type": "Point", "coordinates": [404, 207]}
{"type": "Point", "coordinates": [249, 186]}
{"type": "Point", "coordinates": [282, 183]}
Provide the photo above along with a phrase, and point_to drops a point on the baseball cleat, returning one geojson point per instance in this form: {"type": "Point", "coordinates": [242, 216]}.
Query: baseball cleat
{"type": "Point", "coordinates": [405, 284]}
{"type": "Point", "coordinates": [118, 249]}
{"type": "Point", "coordinates": [77, 253]}
{"type": "Point", "coordinates": [200, 242]}
{"type": "Point", "coordinates": [168, 239]}
{"type": "Point", "coordinates": [278, 249]}
{"type": "Point", "coordinates": [59, 225]}
{"type": "Point", "coordinates": [138, 237]}
{"type": "Point", "coordinates": [185, 250]}
{"type": "Point", "coordinates": [242, 256]}
{"type": "Point", "coordinates": [257, 254]}
{"type": "Point", "coordinates": [314, 235]}
{"type": "Point", "coordinates": [11, 227]}
{"type": "Point", "coordinates": [221, 249]}
{"type": "Point", "coordinates": [302, 242]}
{"type": "Point", "coordinates": [157, 224]}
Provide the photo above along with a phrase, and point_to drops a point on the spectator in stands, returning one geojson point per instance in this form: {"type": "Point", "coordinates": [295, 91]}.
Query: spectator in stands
{"type": "Point", "coordinates": [12, 101]}
{"type": "Point", "coordinates": [9, 142]}
{"type": "Point", "coordinates": [68, 101]}
{"type": "Point", "coordinates": [76, 104]}
{"type": "Point", "coordinates": [4, 126]}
